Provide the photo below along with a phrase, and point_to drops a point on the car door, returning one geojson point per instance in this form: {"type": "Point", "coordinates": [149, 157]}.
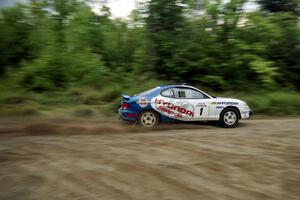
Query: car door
{"type": "Point", "coordinates": [167, 105]}
{"type": "Point", "coordinates": [176, 108]}
{"type": "Point", "coordinates": [196, 101]}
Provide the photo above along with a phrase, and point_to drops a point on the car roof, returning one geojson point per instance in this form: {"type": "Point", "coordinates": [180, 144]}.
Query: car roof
{"type": "Point", "coordinates": [178, 85]}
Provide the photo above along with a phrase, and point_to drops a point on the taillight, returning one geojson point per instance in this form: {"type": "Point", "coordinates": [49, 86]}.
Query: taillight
{"type": "Point", "coordinates": [125, 106]}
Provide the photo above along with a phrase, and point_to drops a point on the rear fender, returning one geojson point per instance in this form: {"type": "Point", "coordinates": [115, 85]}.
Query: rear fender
{"type": "Point", "coordinates": [152, 111]}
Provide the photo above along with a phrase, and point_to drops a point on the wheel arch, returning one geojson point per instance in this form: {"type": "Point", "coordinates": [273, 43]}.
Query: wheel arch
{"type": "Point", "coordinates": [152, 110]}
{"type": "Point", "coordinates": [232, 107]}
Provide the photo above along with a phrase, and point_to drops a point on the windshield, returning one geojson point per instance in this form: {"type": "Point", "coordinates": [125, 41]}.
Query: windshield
{"type": "Point", "coordinates": [145, 93]}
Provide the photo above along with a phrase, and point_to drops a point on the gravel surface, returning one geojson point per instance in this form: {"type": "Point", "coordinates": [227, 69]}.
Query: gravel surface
{"type": "Point", "coordinates": [258, 160]}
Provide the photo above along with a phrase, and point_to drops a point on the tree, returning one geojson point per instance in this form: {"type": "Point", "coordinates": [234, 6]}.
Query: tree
{"type": "Point", "coordinates": [52, 44]}
{"type": "Point", "coordinates": [280, 5]}
{"type": "Point", "coordinates": [14, 29]}
{"type": "Point", "coordinates": [165, 22]}
{"type": "Point", "coordinates": [284, 51]}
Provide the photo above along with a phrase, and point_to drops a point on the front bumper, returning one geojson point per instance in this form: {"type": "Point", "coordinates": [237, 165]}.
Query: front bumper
{"type": "Point", "coordinates": [250, 112]}
{"type": "Point", "coordinates": [246, 113]}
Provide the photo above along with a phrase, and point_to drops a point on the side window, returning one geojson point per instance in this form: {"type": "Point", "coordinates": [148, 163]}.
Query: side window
{"type": "Point", "coordinates": [180, 93]}
{"type": "Point", "coordinates": [187, 93]}
{"type": "Point", "coordinates": [168, 93]}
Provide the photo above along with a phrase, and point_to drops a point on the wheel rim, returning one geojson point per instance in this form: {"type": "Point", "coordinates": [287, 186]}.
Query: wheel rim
{"type": "Point", "coordinates": [148, 119]}
{"type": "Point", "coordinates": [230, 117]}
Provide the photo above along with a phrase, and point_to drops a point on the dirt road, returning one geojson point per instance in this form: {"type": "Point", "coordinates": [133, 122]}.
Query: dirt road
{"type": "Point", "coordinates": [258, 160]}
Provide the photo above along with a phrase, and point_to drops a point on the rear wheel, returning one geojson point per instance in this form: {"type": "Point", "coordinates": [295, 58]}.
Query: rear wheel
{"type": "Point", "coordinates": [229, 118]}
{"type": "Point", "coordinates": [148, 119]}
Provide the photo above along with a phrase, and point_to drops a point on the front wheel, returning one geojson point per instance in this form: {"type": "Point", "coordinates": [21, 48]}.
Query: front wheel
{"type": "Point", "coordinates": [148, 119]}
{"type": "Point", "coordinates": [229, 118]}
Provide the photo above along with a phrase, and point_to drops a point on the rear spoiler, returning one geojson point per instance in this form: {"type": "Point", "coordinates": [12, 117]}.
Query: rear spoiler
{"type": "Point", "coordinates": [125, 97]}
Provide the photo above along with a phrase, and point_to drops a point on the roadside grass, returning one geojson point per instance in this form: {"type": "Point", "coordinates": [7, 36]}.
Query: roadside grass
{"type": "Point", "coordinates": [90, 102]}
{"type": "Point", "coordinates": [270, 103]}
{"type": "Point", "coordinates": [278, 103]}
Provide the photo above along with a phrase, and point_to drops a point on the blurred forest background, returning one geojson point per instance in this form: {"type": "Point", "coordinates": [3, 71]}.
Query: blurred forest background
{"type": "Point", "coordinates": [60, 56]}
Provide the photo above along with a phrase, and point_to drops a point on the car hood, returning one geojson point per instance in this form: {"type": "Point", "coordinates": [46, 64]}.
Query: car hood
{"type": "Point", "coordinates": [222, 99]}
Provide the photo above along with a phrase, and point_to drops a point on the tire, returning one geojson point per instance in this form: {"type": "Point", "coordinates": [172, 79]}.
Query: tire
{"type": "Point", "coordinates": [229, 118]}
{"type": "Point", "coordinates": [148, 119]}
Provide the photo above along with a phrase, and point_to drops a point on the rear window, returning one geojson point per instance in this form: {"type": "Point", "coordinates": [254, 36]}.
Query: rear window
{"type": "Point", "coordinates": [145, 93]}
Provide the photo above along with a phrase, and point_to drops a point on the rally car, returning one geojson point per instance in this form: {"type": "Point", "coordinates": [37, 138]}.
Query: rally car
{"type": "Point", "coordinates": [181, 103]}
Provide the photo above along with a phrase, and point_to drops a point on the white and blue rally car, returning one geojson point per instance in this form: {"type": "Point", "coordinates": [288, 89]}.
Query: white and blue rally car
{"type": "Point", "coordinates": [184, 103]}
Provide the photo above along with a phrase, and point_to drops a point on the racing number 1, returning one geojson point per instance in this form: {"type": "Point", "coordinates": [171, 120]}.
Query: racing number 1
{"type": "Point", "coordinates": [201, 111]}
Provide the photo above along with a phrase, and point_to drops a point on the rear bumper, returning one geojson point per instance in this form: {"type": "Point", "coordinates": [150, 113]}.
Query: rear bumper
{"type": "Point", "coordinates": [127, 115]}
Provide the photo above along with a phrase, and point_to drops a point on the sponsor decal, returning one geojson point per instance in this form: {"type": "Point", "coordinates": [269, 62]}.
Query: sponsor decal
{"type": "Point", "coordinates": [224, 103]}
{"type": "Point", "coordinates": [173, 110]}
{"type": "Point", "coordinates": [220, 107]}
{"type": "Point", "coordinates": [201, 105]}
{"type": "Point", "coordinates": [143, 102]}
{"type": "Point", "coordinates": [228, 103]}
{"type": "Point", "coordinates": [169, 112]}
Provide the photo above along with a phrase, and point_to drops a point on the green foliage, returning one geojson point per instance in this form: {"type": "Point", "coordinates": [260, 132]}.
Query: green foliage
{"type": "Point", "coordinates": [58, 44]}
{"type": "Point", "coordinates": [264, 70]}
{"type": "Point", "coordinates": [47, 72]}
{"type": "Point", "coordinates": [14, 29]}
{"type": "Point", "coordinates": [216, 82]}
